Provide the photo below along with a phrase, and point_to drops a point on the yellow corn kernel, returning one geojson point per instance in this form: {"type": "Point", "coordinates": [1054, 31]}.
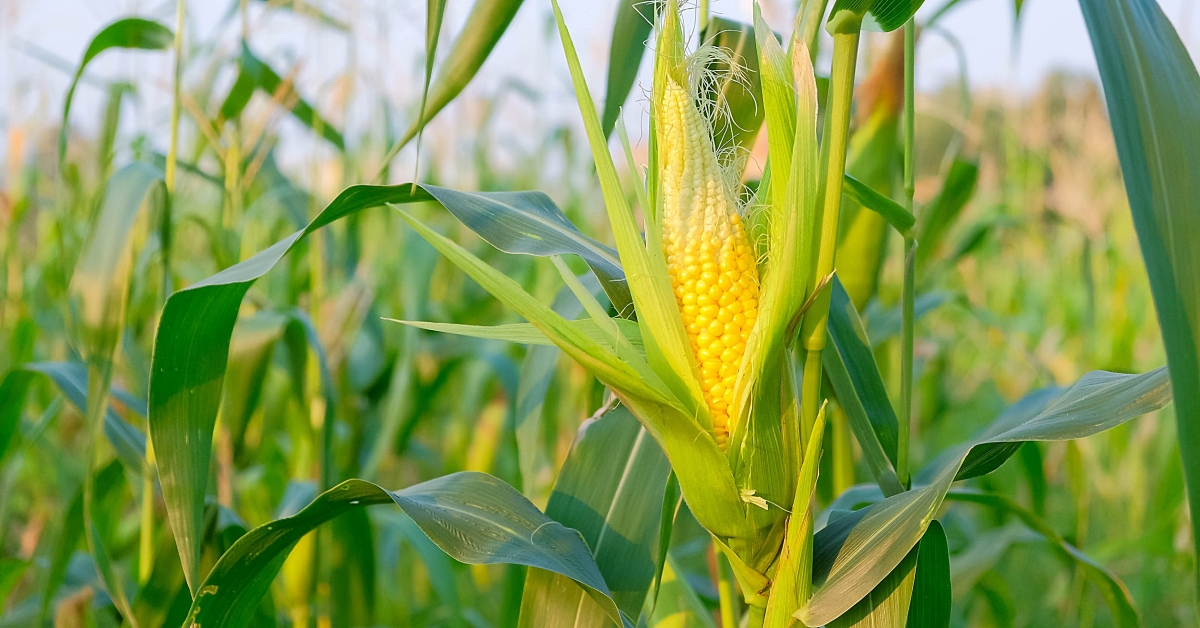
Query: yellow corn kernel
{"type": "Point", "coordinates": [709, 257]}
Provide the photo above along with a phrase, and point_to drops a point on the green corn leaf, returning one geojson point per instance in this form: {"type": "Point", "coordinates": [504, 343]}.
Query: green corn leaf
{"type": "Point", "coordinates": [254, 74]}
{"type": "Point", "coordinates": [11, 570]}
{"type": "Point", "coordinates": [672, 502]}
{"type": "Point", "coordinates": [590, 354]}
{"type": "Point", "coordinates": [915, 595]}
{"type": "Point", "coordinates": [528, 334]}
{"type": "Point", "coordinates": [611, 490]}
{"type": "Point", "coordinates": [890, 210]}
{"type": "Point", "coordinates": [888, 15]}
{"type": "Point", "coordinates": [471, 516]}
{"type": "Point", "coordinates": [70, 536]}
{"type": "Point", "coordinates": [635, 18]}
{"type": "Point", "coordinates": [487, 22]}
{"type": "Point", "coordinates": [850, 366]}
{"type": "Point", "coordinates": [1151, 87]}
{"type": "Point", "coordinates": [887, 605]}
{"type": "Point", "coordinates": [306, 9]}
{"type": "Point", "coordinates": [930, 606]}
{"type": "Point", "coordinates": [100, 284]}
{"type": "Point", "coordinates": [1115, 594]}
{"type": "Point", "coordinates": [129, 33]}
{"type": "Point", "coordinates": [99, 291]}
{"type": "Point", "coordinates": [190, 357]}
{"type": "Point", "coordinates": [537, 374]}
{"type": "Point", "coordinates": [439, 565]}
{"type": "Point", "coordinates": [855, 553]}
{"type": "Point", "coordinates": [529, 223]}
{"type": "Point", "coordinates": [251, 349]}
{"type": "Point", "coordinates": [434, 12]}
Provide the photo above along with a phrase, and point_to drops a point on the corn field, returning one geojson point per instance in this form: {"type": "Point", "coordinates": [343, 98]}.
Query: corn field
{"type": "Point", "coordinates": [761, 336]}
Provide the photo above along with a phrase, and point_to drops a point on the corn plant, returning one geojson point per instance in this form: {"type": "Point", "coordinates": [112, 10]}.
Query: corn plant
{"type": "Point", "coordinates": [735, 323]}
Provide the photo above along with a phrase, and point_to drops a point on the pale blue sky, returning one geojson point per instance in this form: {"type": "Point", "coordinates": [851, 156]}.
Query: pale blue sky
{"type": "Point", "coordinates": [388, 43]}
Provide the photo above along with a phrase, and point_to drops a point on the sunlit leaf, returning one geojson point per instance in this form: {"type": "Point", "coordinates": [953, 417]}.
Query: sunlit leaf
{"type": "Point", "coordinates": [473, 517]}
{"type": "Point", "coordinates": [190, 357]}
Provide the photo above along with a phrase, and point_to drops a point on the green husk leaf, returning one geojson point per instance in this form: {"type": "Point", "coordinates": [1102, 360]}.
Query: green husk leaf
{"type": "Point", "coordinates": [890, 210]}
{"type": "Point", "coordinates": [667, 348]}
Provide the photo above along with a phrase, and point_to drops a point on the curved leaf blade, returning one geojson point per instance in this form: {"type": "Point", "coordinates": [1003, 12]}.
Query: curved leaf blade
{"type": "Point", "coordinates": [473, 517]}
{"type": "Point", "coordinates": [131, 33]}
{"type": "Point", "coordinates": [851, 368]}
{"type": "Point", "coordinates": [529, 223]}
{"type": "Point", "coordinates": [191, 352]}
{"type": "Point", "coordinates": [849, 564]}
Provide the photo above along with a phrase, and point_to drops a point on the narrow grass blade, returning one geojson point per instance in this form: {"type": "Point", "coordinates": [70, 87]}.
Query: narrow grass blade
{"type": "Point", "coordinates": [473, 517]}
{"type": "Point", "coordinates": [1151, 87]}
{"type": "Point", "coordinates": [891, 211]}
{"type": "Point", "coordinates": [527, 333]}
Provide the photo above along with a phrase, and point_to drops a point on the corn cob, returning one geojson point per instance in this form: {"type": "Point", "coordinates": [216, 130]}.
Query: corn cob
{"type": "Point", "coordinates": [709, 258]}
